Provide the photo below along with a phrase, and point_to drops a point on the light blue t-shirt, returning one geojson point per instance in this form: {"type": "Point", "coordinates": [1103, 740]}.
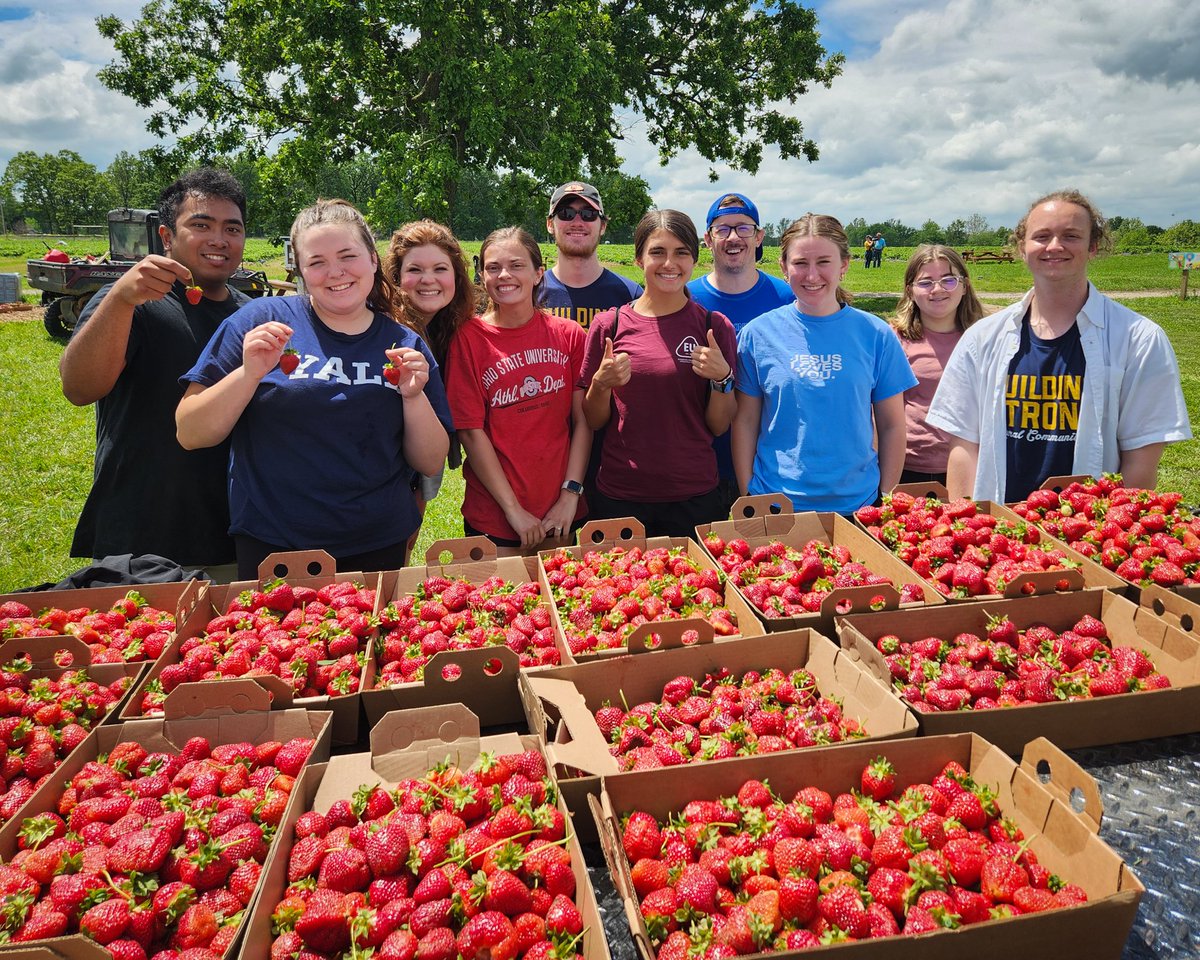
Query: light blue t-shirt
{"type": "Point", "coordinates": [817, 378]}
{"type": "Point", "coordinates": [770, 292]}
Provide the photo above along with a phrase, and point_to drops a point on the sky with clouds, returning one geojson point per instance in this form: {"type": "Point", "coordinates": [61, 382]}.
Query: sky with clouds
{"type": "Point", "coordinates": [945, 108]}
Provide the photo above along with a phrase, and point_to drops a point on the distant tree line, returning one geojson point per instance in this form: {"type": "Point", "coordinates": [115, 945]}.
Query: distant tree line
{"type": "Point", "coordinates": [54, 193]}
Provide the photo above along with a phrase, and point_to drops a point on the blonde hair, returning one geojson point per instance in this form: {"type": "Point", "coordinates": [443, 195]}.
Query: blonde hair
{"type": "Point", "coordinates": [1099, 238]}
{"type": "Point", "coordinates": [344, 213]}
{"type": "Point", "coordinates": [440, 329]}
{"type": "Point", "coordinates": [908, 315]}
{"type": "Point", "coordinates": [824, 226]}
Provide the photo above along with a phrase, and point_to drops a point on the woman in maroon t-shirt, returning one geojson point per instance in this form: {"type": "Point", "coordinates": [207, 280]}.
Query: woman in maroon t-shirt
{"type": "Point", "coordinates": [659, 374]}
{"type": "Point", "coordinates": [938, 304]}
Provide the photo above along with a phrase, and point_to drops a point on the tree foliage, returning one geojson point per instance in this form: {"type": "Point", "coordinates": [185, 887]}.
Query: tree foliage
{"type": "Point", "coordinates": [434, 90]}
{"type": "Point", "coordinates": [58, 190]}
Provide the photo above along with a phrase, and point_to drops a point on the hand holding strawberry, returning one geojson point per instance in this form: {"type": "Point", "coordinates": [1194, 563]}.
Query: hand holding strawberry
{"type": "Point", "coordinates": [151, 278]}
{"type": "Point", "coordinates": [194, 295]}
{"type": "Point", "coordinates": [614, 370]}
{"type": "Point", "coordinates": [709, 362]}
{"type": "Point", "coordinates": [407, 370]}
{"type": "Point", "coordinates": [263, 348]}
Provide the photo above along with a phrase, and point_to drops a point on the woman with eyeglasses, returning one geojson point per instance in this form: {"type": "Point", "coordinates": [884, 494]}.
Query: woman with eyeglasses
{"type": "Point", "coordinates": [938, 304]}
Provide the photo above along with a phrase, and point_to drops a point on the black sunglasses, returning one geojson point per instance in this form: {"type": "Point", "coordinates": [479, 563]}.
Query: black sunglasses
{"type": "Point", "coordinates": [567, 214]}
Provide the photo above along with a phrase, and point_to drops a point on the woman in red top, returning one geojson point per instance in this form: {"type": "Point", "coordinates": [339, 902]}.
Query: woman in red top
{"type": "Point", "coordinates": [519, 415]}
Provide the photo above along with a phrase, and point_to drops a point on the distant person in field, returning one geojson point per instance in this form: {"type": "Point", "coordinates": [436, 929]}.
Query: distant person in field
{"type": "Point", "coordinates": [820, 385]}
{"type": "Point", "coordinates": [737, 289]}
{"type": "Point", "coordinates": [577, 286]}
{"type": "Point", "coordinates": [877, 249]}
{"type": "Point", "coordinates": [937, 306]}
{"type": "Point", "coordinates": [329, 403]}
{"type": "Point", "coordinates": [512, 385]}
{"type": "Point", "coordinates": [1064, 382]}
{"type": "Point", "coordinates": [868, 251]}
{"type": "Point", "coordinates": [433, 295]}
{"type": "Point", "coordinates": [133, 341]}
{"type": "Point", "coordinates": [659, 375]}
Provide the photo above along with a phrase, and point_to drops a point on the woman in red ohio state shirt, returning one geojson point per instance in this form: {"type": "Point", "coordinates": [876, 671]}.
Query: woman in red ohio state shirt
{"type": "Point", "coordinates": [512, 374]}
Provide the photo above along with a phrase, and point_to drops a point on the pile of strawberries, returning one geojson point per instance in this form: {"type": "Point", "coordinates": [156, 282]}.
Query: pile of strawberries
{"type": "Point", "coordinates": [725, 715]}
{"type": "Point", "coordinates": [756, 872]}
{"type": "Point", "coordinates": [1009, 667]}
{"type": "Point", "coordinates": [456, 614]}
{"type": "Point", "coordinates": [316, 640]}
{"type": "Point", "coordinates": [43, 719]}
{"type": "Point", "coordinates": [149, 852]}
{"type": "Point", "coordinates": [458, 863]}
{"type": "Point", "coordinates": [1145, 536]}
{"type": "Point", "coordinates": [605, 596]}
{"type": "Point", "coordinates": [961, 551]}
{"type": "Point", "coordinates": [782, 581]}
{"type": "Point", "coordinates": [132, 631]}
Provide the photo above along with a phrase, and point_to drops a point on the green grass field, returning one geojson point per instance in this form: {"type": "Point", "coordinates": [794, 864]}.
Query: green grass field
{"type": "Point", "coordinates": [48, 443]}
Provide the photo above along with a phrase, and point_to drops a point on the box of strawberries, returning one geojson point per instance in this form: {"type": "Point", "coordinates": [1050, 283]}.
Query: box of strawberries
{"type": "Point", "coordinates": [616, 579]}
{"type": "Point", "coordinates": [1082, 669]}
{"type": "Point", "coordinates": [703, 703]}
{"type": "Point", "coordinates": [302, 627]}
{"type": "Point", "coordinates": [920, 849]}
{"type": "Point", "coordinates": [153, 834]}
{"type": "Point", "coordinates": [802, 570]}
{"type": "Point", "coordinates": [459, 630]}
{"type": "Point", "coordinates": [436, 843]}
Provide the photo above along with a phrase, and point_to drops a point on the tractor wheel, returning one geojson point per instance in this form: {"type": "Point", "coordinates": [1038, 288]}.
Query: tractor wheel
{"type": "Point", "coordinates": [58, 326]}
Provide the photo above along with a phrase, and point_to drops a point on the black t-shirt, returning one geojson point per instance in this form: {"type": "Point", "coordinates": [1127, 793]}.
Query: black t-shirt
{"type": "Point", "coordinates": [149, 495]}
{"type": "Point", "coordinates": [1045, 383]}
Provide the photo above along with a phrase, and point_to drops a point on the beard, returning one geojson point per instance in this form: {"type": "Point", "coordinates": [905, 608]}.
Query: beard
{"type": "Point", "coordinates": [576, 246]}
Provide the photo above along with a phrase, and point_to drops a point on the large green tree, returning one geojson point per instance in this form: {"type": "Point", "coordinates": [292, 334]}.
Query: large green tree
{"type": "Point", "coordinates": [59, 189]}
{"type": "Point", "coordinates": [432, 90]}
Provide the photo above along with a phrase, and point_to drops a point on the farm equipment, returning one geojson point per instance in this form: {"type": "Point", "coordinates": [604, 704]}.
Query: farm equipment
{"type": "Point", "coordinates": [68, 283]}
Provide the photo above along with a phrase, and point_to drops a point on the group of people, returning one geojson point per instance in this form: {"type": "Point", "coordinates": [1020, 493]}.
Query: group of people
{"type": "Point", "coordinates": [873, 247]}
{"type": "Point", "coordinates": [227, 429]}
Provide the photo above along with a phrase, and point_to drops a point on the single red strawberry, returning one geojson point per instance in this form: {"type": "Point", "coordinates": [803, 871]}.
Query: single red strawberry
{"type": "Point", "coordinates": [879, 779]}
{"type": "Point", "coordinates": [289, 360]}
{"type": "Point", "coordinates": [194, 295]}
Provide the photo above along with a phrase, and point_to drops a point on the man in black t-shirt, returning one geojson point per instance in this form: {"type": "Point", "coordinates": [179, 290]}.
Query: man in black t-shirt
{"type": "Point", "coordinates": [134, 339]}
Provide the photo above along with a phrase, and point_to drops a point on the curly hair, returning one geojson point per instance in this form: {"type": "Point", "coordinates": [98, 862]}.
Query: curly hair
{"type": "Point", "coordinates": [439, 329]}
{"type": "Point", "coordinates": [201, 182]}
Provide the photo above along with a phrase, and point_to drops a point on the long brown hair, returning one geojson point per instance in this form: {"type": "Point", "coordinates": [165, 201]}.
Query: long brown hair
{"type": "Point", "coordinates": [343, 212]}
{"type": "Point", "coordinates": [818, 225]}
{"type": "Point", "coordinates": [908, 315]}
{"type": "Point", "coordinates": [443, 325]}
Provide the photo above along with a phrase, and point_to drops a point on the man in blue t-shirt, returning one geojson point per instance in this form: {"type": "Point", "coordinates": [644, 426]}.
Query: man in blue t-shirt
{"type": "Point", "coordinates": [736, 288]}
{"type": "Point", "coordinates": [877, 249]}
{"type": "Point", "coordinates": [577, 286]}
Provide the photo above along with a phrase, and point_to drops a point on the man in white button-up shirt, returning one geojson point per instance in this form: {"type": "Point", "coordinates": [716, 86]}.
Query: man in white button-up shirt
{"type": "Point", "coordinates": [1064, 382]}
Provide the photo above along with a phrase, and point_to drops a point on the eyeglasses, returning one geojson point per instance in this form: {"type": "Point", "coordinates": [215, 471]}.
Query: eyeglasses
{"type": "Point", "coordinates": [946, 283]}
{"type": "Point", "coordinates": [744, 230]}
{"type": "Point", "coordinates": [567, 214]}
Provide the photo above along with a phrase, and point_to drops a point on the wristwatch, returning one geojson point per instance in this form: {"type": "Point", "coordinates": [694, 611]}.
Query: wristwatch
{"type": "Point", "coordinates": [724, 386]}
{"type": "Point", "coordinates": [573, 486]}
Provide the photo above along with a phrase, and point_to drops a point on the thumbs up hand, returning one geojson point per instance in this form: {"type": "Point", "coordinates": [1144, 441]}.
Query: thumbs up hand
{"type": "Point", "coordinates": [709, 362]}
{"type": "Point", "coordinates": [614, 370]}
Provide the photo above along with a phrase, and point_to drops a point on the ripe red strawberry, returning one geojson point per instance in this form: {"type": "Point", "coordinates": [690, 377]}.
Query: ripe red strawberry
{"type": "Point", "coordinates": [289, 360]}
{"type": "Point", "coordinates": [106, 921]}
{"type": "Point", "coordinates": [489, 935]}
{"type": "Point", "coordinates": [324, 926]}
{"type": "Point", "coordinates": [563, 918]}
{"type": "Point", "coordinates": [879, 779]}
{"type": "Point", "coordinates": [194, 295]}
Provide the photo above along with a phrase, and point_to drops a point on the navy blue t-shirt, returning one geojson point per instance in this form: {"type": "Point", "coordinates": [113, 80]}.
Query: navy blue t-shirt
{"type": "Point", "coordinates": [582, 303]}
{"type": "Point", "coordinates": [1045, 383]}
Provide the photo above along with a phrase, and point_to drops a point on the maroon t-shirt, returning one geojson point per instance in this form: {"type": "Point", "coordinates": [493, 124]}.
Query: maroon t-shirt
{"type": "Point", "coordinates": [657, 447]}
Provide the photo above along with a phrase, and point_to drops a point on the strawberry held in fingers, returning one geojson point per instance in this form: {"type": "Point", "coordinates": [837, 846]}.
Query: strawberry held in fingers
{"type": "Point", "coordinates": [194, 295]}
{"type": "Point", "coordinates": [289, 360]}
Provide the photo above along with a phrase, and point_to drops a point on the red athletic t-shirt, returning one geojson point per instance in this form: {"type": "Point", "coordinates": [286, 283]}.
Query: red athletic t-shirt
{"type": "Point", "coordinates": [657, 446]}
{"type": "Point", "coordinates": [515, 384]}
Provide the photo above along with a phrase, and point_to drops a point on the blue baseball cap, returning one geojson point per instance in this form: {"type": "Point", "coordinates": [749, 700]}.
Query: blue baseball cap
{"type": "Point", "coordinates": [744, 206]}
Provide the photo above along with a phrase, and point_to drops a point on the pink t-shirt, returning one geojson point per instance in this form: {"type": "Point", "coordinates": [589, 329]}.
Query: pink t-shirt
{"type": "Point", "coordinates": [657, 446]}
{"type": "Point", "coordinates": [516, 386]}
{"type": "Point", "coordinates": [928, 447]}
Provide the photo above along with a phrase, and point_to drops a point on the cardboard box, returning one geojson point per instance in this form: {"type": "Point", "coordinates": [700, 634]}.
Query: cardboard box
{"type": "Point", "coordinates": [1088, 575]}
{"type": "Point", "coordinates": [627, 533]}
{"type": "Point", "coordinates": [1064, 841]}
{"type": "Point", "coordinates": [179, 598]}
{"type": "Point", "coordinates": [561, 704]}
{"type": "Point", "coordinates": [302, 568]}
{"type": "Point", "coordinates": [761, 519]}
{"type": "Point", "coordinates": [228, 712]}
{"type": "Point", "coordinates": [486, 681]}
{"type": "Point", "coordinates": [1079, 723]}
{"type": "Point", "coordinates": [408, 743]}
{"type": "Point", "coordinates": [1177, 608]}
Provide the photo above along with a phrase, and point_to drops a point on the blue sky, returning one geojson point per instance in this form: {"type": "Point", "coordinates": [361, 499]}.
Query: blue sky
{"type": "Point", "coordinates": [945, 108]}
